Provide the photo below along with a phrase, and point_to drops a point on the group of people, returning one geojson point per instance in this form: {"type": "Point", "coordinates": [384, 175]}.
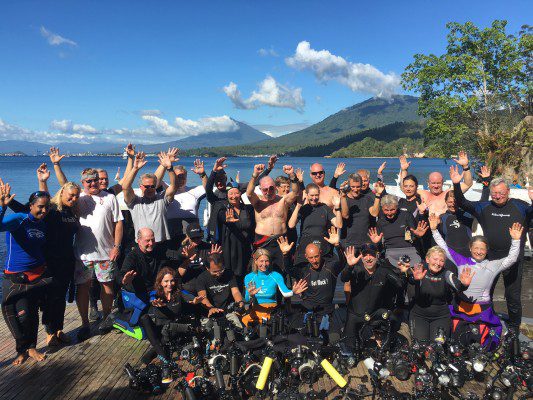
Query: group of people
{"type": "Point", "coordinates": [268, 242]}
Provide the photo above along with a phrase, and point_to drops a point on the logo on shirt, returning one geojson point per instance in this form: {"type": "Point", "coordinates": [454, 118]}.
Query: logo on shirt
{"type": "Point", "coordinates": [319, 282]}
{"type": "Point", "coordinates": [500, 215]}
{"type": "Point", "coordinates": [218, 288]}
{"type": "Point", "coordinates": [35, 233]}
{"type": "Point", "coordinates": [455, 224]}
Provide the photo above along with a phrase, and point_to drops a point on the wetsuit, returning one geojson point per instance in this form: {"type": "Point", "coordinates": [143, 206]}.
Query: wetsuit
{"type": "Point", "coordinates": [368, 293]}
{"type": "Point", "coordinates": [24, 276]}
{"type": "Point", "coordinates": [496, 221]}
{"type": "Point", "coordinates": [395, 231]}
{"type": "Point", "coordinates": [314, 224]}
{"type": "Point", "coordinates": [457, 230]}
{"type": "Point", "coordinates": [236, 240]}
{"type": "Point", "coordinates": [355, 228]}
{"type": "Point", "coordinates": [430, 311]}
{"type": "Point", "coordinates": [195, 267]}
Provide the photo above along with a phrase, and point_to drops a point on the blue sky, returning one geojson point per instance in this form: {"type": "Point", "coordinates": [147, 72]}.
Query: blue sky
{"type": "Point", "coordinates": [154, 70]}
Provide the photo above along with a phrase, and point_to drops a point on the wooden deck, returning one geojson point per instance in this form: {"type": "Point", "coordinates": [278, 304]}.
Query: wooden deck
{"type": "Point", "coordinates": [94, 369]}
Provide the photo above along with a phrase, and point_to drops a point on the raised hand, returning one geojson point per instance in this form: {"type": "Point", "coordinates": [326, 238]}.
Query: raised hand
{"type": "Point", "coordinates": [252, 289]}
{"type": "Point", "coordinates": [5, 196]}
{"type": "Point", "coordinates": [173, 154]}
{"type": "Point", "coordinates": [55, 157]}
{"type": "Point", "coordinates": [158, 302]}
{"type": "Point", "coordinates": [466, 276]}
{"type": "Point", "coordinates": [455, 176]}
{"type": "Point", "coordinates": [516, 231]}
{"type": "Point", "coordinates": [238, 177]}
{"type": "Point", "coordinates": [382, 168]}
{"type": "Point", "coordinates": [284, 245]}
{"type": "Point", "coordinates": [351, 259]}
{"type": "Point", "coordinates": [299, 174]}
{"type": "Point", "coordinates": [404, 164]}
{"type": "Point", "coordinates": [422, 206]}
{"type": "Point", "coordinates": [219, 164]}
{"type": "Point", "coordinates": [199, 168]}
{"type": "Point", "coordinates": [130, 150]}
{"type": "Point", "coordinates": [485, 172]}
{"type": "Point", "coordinates": [189, 251]}
{"type": "Point", "coordinates": [215, 249]}
{"type": "Point", "coordinates": [373, 235]}
{"type": "Point", "coordinates": [419, 272]}
{"type": "Point", "coordinates": [197, 300]}
{"type": "Point", "coordinates": [164, 160]}
{"type": "Point", "coordinates": [258, 170]}
{"type": "Point", "coordinates": [434, 221]}
{"type": "Point", "coordinates": [230, 216]}
{"type": "Point", "coordinates": [43, 173]}
{"type": "Point", "coordinates": [334, 236]}
{"type": "Point", "coordinates": [379, 187]}
{"type": "Point", "coordinates": [403, 267]}
{"type": "Point", "coordinates": [140, 160]}
{"type": "Point", "coordinates": [462, 159]}
{"type": "Point", "coordinates": [288, 169]}
{"type": "Point", "coordinates": [340, 170]}
{"type": "Point", "coordinates": [128, 277]}
{"type": "Point", "coordinates": [421, 229]}
{"type": "Point", "coordinates": [272, 161]}
{"type": "Point", "coordinates": [299, 287]}
{"type": "Point", "coordinates": [117, 175]}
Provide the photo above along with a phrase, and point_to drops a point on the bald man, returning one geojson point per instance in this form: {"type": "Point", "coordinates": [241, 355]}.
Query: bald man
{"type": "Point", "coordinates": [435, 196]}
{"type": "Point", "coordinates": [318, 175]}
{"type": "Point", "coordinates": [271, 210]}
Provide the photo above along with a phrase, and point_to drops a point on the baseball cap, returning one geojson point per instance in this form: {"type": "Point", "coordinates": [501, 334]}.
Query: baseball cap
{"type": "Point", "coordinates": [194, 231]}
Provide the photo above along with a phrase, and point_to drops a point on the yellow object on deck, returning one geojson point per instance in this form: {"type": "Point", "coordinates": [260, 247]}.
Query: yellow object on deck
{"type": "Point", "coordinates": [330, 369]}
{"type": "Point", "coordinates": [263, 375]}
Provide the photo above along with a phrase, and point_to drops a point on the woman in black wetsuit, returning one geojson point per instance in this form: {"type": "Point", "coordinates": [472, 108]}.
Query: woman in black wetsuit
{"type": "Point", "coordinates": [434, 287]}
{"type": "Point", "coordinates": [315, 220]}
{"type": "Point", "coordinates": [235, 225]}
{"type": "Point", "coordinates": [166, 306]}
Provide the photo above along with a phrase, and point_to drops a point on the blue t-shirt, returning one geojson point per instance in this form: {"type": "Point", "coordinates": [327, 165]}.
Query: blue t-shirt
{"type": "Point", "coordinates": [269, 282]}
{"type": "Point", "coordinates": [25, 237]}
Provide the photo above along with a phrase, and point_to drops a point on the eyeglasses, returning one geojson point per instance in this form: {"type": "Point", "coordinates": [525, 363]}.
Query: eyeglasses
{"type": "Point", "coordinates": [498, 194]}
{"type": "Point", "coordinates": [317, 173]}
{"type": "Point", "coordinates": [268, 189]}
{"type": "Point", "coordinates": [103, 179]}
{"type": "Point", "coordinates": [89, 181]}
{"type": "Point", "coordinates": [220, 271]}
{"type": "Point", "coordinates": [148, 186]}
{"type": "Point", "coordinates": [369, 248]}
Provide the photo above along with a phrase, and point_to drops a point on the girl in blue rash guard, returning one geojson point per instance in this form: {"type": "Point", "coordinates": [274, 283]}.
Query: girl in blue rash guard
{"type": "Point", "coordinates": [24, 282]}
{"type": "Point", "coordinates": [261, 286]}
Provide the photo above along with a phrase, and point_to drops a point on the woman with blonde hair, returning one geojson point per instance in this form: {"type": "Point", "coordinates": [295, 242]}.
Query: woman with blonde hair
{"type": "Point", "coordinates": [261, 286]}
{"type": "Point", "coordinates": [434, 287]}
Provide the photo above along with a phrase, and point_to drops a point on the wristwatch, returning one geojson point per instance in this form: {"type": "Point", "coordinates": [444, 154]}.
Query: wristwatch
{"type": "Point", "coordinates": [170, 169]}
{"type": "Point", "coordinates": [467, 168]}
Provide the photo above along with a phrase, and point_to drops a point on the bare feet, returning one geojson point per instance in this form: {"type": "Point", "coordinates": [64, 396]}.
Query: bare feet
{"type": "Point", "coordinates": [36, 355]}
{"type": "Point", "coordinates": [63, 337]}
{"type": "Point", "coordinates": [52, 340]}
{"type": "Point", "coordinates": [20, 358]}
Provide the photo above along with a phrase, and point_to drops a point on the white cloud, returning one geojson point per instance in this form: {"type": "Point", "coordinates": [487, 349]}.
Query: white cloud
{"type": "Point", "coordinates": [67, 126]}
{"type": "Point", "coordinates": [14, 132]}
{"type": "Point", "coordinates": [270, 93]}
{"type": "Point", "coordinates": [280, 130]}
{"type": "Point", "coordinates": [186, 127]}
{"type": "Point", "coordinates": [154, 112]}
{"type": "Point", "coordinates": [267, 52]}
{"type": "Point", "coordinates": [357, 76]}
{"type": "Point", "coordinates": [54, 39]}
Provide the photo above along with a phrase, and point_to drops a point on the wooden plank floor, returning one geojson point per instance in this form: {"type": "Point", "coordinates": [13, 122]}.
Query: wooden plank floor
{"type": "Point", "coordinates": [94, 369]}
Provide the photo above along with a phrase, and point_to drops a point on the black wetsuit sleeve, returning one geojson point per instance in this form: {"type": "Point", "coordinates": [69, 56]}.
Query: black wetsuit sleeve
{"type": "Point", "coordinates": [289, 267]}
{"type": "Point", "coordinates": [265, 172]}
{"type": "Point", "coordinates": [398, 280]}
{"type": "Point", "coordinates": [18, 207]}
{"type": "Point", "coordinates": [347, 274]}
{"type": "Point", "coordinates": [453, 281]}
{"type": "Point", "coordinates": [341, 264]}
{"type": "Point", "coordinates": [209, 194]}
{"type": "Point", "coordinates": [333, 182]}
{"type": "Point", "coordinates": [462, 202]}
{"type": "Point", "coordinates": [128, 265]}
{"type": "Point", "coordinates": [485, 193]}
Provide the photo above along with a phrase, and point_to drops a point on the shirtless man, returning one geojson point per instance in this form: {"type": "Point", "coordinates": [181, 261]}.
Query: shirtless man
{"type": "Point", "coordinates": [434, 197]}
{"type": "Point", "coordinates": [326, 193]}
{"type": "Point", "coordinates": [271, 210]}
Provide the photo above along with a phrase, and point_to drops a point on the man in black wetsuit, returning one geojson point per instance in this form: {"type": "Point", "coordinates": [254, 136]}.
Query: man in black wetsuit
{"type": "Point", "coordinates": [496, 217]}
{"type": "Point", "coordinates": [371, 284]}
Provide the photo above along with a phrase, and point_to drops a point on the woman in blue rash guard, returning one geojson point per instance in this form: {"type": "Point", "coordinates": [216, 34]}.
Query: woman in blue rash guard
{"type": "Point", "coordinates": [261, 286]}
{"type": "Point", "coordinates": [24, 272]}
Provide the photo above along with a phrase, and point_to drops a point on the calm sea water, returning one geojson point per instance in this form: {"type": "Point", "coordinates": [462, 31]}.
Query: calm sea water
{"type": "Point", "coordinates": [20, 171]}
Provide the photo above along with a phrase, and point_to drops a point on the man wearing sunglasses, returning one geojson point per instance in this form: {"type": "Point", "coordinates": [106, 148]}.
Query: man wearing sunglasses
{"type": "Point", "coordinates": [318, 176]}
{"type": "Point", "coordinates": [150, 209]}
{"type": "Point", "coordinates": [271, 210]}
{"type": "Point", "coordinates": [97, 245]}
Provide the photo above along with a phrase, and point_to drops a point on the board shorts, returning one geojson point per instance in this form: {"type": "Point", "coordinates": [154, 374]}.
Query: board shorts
{"type": "Point", "coordinates": [85, 270]}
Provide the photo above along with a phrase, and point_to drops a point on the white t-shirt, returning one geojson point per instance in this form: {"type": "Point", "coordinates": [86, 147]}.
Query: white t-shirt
{"type": "Point", "coordinates": [96, 236]}
{"type": "Point", "coordinates": [151, 213]}
{"type": "Point", "coordinates": [185, 204]}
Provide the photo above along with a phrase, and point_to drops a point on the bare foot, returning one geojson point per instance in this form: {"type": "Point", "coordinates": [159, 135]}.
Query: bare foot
{"type": "Point", "coordinates": [36, 355]}
{"type": "Point", "coordinates": [52, 341]}
{"type": "Point", "coordinates": [20, 359]}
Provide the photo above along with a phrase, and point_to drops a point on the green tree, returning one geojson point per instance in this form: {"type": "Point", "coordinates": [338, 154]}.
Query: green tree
{"type": "Point", "coordinates": [478, 94]}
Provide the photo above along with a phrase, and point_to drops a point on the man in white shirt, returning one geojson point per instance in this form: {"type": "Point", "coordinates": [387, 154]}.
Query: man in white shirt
{"type": "Point", "coordinates": [97, 246]}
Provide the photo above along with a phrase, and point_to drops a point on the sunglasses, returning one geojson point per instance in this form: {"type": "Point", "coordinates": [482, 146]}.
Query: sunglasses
{"type": "Point", "coordinates": [317, 173]}
{"type": "Point", "coordinates": [39, 194]}
{"type": "Point", "coordinates": [148, 186]}
{"type": "Point", "coordinates": [89, 181]}
{"type": "Point", "coordinates": [268, 189]}
{"type": "Point", "coordinates": [369, 248]}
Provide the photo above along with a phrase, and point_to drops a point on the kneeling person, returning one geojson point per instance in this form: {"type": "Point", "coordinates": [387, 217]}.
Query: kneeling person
{"type": "Point", "coordinates": [219, 288]}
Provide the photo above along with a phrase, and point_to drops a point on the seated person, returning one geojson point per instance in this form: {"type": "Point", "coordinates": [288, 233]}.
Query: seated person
{"type": "Point", "coordinates": [218, 287]}
{"type": "Point", "coordinates": [475, 304]}
{"type": "Point", "coordinates": [261, 286]}
{"type": "Point", "coordinates": [168, 305]}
